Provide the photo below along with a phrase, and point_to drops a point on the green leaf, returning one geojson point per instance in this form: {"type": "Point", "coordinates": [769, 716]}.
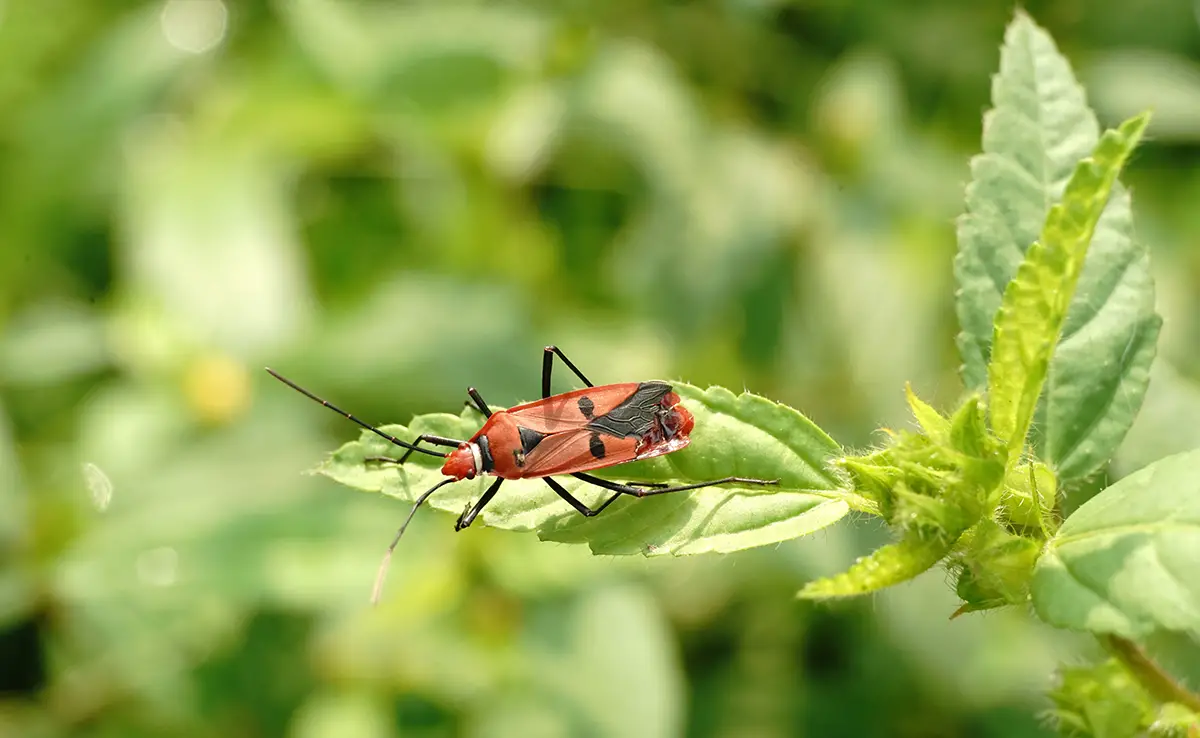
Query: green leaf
{"type": "Point", "coordinates": [935, 425]}
{"type": "Point", "coordinates": [1034, 309]}
{"type": "Point", "coordinates": [743, 435]}
{"type": "Point", "coordinates": [1125, 562]}
{"type": "Point", "coordinates": [929, 515]}
{"type": "Point", "coordinates": [969, 435]}
{"type": "Point", "coordinates": [1102, 701]}
{"type": "Point", "coordinates": [1038, 130]}
{"type": "Point", "coordinates": [891, 564]}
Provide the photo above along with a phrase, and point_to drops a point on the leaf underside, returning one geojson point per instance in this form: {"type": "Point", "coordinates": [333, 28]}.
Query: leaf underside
{"type": "Point", "coordinates": [742, 435]}
{"type": "Point", "coordinates": [1125, 561]}
{"type": "Point", "coordinates": [1038, 130]}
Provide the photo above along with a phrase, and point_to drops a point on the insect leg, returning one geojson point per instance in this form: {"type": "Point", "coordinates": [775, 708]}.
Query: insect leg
{"type": "Point", "coordinates": [427, 438]}
{"type": "Point", "coordinates": [581, 508]}
{"type": "Point", "coordinates": [548, 354]}
{"type": "Point", "coordinates": [629, 489]}
{"type": "Point", "coordinates": [468, 515]}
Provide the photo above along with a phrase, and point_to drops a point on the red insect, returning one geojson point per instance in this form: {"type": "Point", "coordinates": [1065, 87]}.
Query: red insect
{"type": "Point", "coordinates": [571, 433]}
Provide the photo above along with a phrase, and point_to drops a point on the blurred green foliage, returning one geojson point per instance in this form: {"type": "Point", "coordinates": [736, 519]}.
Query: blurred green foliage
{"type": "Point", "coordinates": [392, 201]}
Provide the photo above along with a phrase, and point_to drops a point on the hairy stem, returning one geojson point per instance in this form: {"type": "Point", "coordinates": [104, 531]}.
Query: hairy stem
{"type": "Point", "coordinates": [1161, 685]}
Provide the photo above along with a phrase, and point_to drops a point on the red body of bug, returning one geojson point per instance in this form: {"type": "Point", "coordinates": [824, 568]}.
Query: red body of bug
{"type": "Point", "coordinates": [576, 431]}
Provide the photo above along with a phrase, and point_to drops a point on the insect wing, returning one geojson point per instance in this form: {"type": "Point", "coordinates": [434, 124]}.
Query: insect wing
{"type": "Point", "coordinates": [638, 415]}
{"type": "Point", "coordinates": [585, 449]}
{"type": "Point", "coordinates": [577, 450]}
{"type": "Point", "coordinates": [573, 410]}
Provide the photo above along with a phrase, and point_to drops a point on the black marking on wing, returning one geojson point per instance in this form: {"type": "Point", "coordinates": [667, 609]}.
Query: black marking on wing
{"type": "Point", "coordinates": [596, 446]}
{"type": "Point", "coordinates": [529, 438]}
{"type": "Point", "coordinates": [634, 417]}
{"type": "Point", "coordinates": [587, 407]}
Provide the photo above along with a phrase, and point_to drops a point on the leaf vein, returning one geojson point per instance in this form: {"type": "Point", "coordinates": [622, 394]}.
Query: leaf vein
{"type": "Point", "coordinates": [1100, 411]}
{"type": "Point", "coordinates": [1192, 527]}
{"type": "Point", "coordinates": [1129, 258]}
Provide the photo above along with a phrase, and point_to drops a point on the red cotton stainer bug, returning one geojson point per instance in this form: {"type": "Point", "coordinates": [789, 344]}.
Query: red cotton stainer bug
{"type": "Point", "coordinates": [570, 433]}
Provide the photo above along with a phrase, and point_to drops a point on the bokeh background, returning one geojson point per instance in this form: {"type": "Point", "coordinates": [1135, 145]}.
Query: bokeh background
{"type": "Point", "coordinates": [391, 201]}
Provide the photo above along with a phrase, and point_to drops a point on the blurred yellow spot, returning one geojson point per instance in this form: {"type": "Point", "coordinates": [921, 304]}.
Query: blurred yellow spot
{"type": "Point", "coordinates": [217, 389]}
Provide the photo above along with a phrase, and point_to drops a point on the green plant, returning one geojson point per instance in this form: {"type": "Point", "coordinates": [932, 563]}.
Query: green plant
{"type": "Point", "coordinates": [1056, 350]}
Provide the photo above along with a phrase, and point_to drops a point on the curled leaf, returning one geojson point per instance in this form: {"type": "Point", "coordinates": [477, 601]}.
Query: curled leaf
{"type": "Point", "coordinates": [892, 564]}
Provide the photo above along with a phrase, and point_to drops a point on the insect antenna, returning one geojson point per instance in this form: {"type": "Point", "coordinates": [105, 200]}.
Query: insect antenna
{"type": "Point", "coordinates": [348, 416]}
{"type": "Point", "coordinates": [377, 590]}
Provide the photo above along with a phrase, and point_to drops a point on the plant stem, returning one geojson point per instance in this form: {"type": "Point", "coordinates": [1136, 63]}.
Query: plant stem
{"type": "Point", "coordinates": [1161, 685]}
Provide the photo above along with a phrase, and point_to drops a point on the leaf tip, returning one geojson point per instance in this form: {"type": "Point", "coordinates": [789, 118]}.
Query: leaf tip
{"type": "Point", "coordinates": [1133, 128]}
